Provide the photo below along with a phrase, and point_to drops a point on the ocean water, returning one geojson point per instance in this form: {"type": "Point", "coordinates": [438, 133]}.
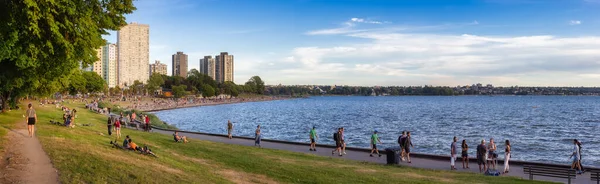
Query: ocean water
{"type": "Point", "coordinates": [540, 128]}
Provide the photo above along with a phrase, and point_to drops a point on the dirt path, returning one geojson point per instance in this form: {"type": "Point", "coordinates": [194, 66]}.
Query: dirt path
{"type": "Point", "coordinates": [25, 161]}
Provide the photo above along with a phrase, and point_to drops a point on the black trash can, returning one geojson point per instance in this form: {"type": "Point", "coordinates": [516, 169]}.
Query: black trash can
{"type": "Point", "coordinates": [393, 155]}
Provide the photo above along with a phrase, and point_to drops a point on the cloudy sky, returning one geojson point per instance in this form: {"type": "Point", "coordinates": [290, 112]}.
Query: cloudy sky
{"type": "Point", "coordinates": [384, 42]}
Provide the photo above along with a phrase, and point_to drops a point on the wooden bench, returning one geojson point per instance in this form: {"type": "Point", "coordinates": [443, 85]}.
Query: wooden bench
{"type": "Point", "coordinates": [555, 172]}
{"type": "Point", "coordinates": [595, 175]}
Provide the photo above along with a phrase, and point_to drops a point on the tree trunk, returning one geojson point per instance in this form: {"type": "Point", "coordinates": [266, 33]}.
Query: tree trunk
{"type": "Point", "coordinates": [4, 97]}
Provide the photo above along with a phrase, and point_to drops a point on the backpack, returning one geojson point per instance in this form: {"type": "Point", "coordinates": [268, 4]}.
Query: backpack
{"type": "Point", "coordinates": [335, 137]}
{"type": "Point", "coordinates": [400, 140]}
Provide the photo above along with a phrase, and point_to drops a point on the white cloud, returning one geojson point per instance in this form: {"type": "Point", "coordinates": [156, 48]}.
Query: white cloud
{"type": "Point", "coordinates": [392, 57]}
{"type": "Point", "coordinates": [360, 20]}
{"type": "Point", "coordinates": [574, 22]}
{"type": "Point", "coordinates": [347, 27]}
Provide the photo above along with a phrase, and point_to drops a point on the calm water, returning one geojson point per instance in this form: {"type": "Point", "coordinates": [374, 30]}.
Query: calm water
{"type": "Point", "coordinates": [540, 128]}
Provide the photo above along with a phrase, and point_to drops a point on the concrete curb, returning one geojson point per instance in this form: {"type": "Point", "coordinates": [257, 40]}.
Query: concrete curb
{"type": "Point", "coordinates": [417, 155]}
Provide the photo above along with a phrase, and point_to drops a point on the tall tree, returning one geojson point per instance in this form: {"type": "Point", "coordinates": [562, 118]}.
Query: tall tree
{"type": "Point", "coordinates": [94, 83]}
{"type": "Point", "coordinates": [257, 85]}
{"type": "Point", "coordinates": [43, 41]}
{"type": "Point", "coordinates": [155, 82]}
{"type": "Point", "coordinates": [208, 91]}
{"type": "Point", "coordinates": [77, 83]}
{"type": "Point", "coordinates": [179, 91]}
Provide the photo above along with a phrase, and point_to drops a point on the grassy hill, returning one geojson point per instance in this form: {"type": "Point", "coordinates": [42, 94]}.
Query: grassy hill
{"type": "Point", "coordinates": [83, 155]}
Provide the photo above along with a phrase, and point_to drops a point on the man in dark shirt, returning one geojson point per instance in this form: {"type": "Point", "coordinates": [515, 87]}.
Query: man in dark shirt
{"type": "Point", "coordinates": [481, 150]}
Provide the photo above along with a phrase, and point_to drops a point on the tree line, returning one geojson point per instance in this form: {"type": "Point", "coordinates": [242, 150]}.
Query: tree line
{"type": "Point", "coordinates": [199, 84]}
{"type": "Point", "coordinates": [360, 91]}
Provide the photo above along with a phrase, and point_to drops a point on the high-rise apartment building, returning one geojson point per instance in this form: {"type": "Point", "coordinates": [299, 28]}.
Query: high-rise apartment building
{"type": "Point", "coordinates": [109, 64]}
{"type": "Point", "coordinates": [158, 67]}
{"type": "Point", "coordinates": [180, 64]}
{"type": "Point", "coordinates": [96, 66]}
{"type": "Point", "coordinates": [207, 66]}
{"type": "Point", "coordinates": [133, 53]}
{"type": "Point", "coordinates": [224, 67]}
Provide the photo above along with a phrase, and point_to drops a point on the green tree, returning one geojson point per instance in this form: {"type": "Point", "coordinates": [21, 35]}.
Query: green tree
{"type": "Point", "coordinates": [136, 87]}
{"type": "Point", "coordinates": [256, 84]}
{"type": "Point", "coordinates": [77, 83]}
{"type": "Point", "coordinates": [155, 82]}
{"type": "Point", "coordinates": [208, 91]}
{"type": "Point", "coordinates": [230, 88]}
{"type": "Point", "coordinates": [43, 41]}
{"type": "Point", "coordinates": [179, 91]}
{"type": "Point", "coordinates": [93, 82]}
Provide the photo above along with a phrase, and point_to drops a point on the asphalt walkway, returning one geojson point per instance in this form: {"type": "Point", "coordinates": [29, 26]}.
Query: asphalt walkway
{"type": "Point", "coordinates": [360, 155]}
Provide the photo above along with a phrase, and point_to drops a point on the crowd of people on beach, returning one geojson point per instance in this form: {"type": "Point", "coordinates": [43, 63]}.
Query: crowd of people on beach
{"type": "Point", "coordinates": [160, 103]}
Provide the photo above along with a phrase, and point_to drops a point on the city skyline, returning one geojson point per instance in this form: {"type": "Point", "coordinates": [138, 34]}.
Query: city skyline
{"type": "Point", "coordinates": [366, 43]}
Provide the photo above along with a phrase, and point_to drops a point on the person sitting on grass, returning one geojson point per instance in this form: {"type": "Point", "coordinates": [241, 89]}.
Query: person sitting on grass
{"type": "Point", "coordinates": [126, 142]}
{"type": "Point", "coordinates": [147, 151]}
{"type": "Point", "coordinates": [178, 138]}
{"type": "Point", "coordinates": [133, 146]}
{"type": "Point", "coordinates": [68, 120]}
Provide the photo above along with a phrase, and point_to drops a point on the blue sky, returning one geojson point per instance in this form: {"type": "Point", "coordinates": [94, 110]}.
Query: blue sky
{"type": "Point", "coordinates": [384, 42]}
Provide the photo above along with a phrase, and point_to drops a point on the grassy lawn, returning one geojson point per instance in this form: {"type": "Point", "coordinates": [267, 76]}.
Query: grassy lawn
{"type": "Point", "coordinates": [83, 155]}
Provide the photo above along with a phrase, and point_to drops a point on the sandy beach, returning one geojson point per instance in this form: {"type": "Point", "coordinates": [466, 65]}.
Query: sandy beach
{"type": "Point", "coordinates": [159, 104]}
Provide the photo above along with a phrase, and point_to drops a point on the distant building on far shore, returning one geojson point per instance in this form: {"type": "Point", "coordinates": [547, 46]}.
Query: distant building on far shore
{"type": "Point", "coordinates": [180, 64]}
{"type": "Point", "coordinates": [224, 67]}
{"type": "Point", "coordinates": [158, 67]}
{"type": "Point", "coordinates": [207, 66]}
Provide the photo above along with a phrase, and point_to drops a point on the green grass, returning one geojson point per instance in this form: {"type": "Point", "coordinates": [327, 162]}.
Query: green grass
{"type": "Point", "coordinates": [83, 155]}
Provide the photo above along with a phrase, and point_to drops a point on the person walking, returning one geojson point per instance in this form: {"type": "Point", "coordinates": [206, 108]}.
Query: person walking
{"type": "Point", "coordinates": [337, 138]}
{"type": "Point", "coordinates": [229, 129]}
{"type": "Point", "coordinates": [580, 158]}
{"type": "Point", "coordinates": [31, 119]}
{"type": "Point", "coordinates": [313, 139]}
{"type": "Point", "coordinates": [257, 136]}
{"type": "Point", "coordinates": [374, 140]}
{"type": "Point", "coordinates": [401, 141]}
{"type": "Point", "coordinates": [481, 156]}
{"type": "Point", "coordinates": [453, 151]}
{"type": "Point", "coordinates": [576, 157]}
{"type": "Point", "coordinates": [465, 154]}
{"type": "Point", "coordinates": [118, 128]}
{"type": "Point", "coordinates": [492, 156]}
{"type": "Point", "coordinates": [407, 145]}
{"type": "Point", "coordinates": [109, 124]}
{"type": "Point", "coordinates": [147, 123]}
{"type": "Point", "coordinates": [506, 156]}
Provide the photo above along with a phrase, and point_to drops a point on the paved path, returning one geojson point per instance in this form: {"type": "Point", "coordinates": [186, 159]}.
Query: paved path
{"type": "Point", "coordinates": [363, 156]}
{"type": "Point", "coordinates": [26, 161]}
